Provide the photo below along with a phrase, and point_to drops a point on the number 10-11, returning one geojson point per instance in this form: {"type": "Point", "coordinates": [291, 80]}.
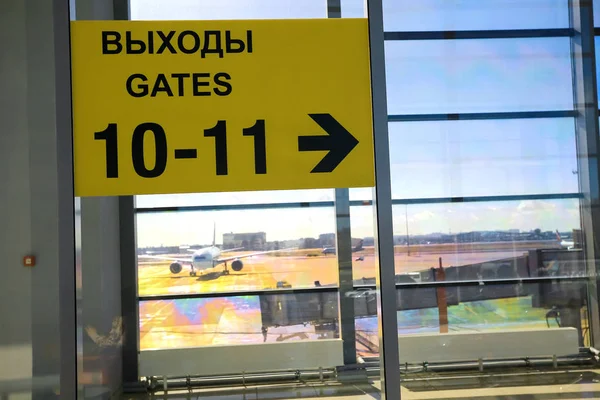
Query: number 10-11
{"type": "Point", "coordinates": [218, 132]}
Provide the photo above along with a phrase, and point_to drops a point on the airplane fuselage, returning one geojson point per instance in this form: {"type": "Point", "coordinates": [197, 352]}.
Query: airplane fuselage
{"type": "Point", "coordinates": [205, 258]}
{"type": "Point", "coordinates": [208, 258]}
{"type": "Point", "coordinates": [566, 244]}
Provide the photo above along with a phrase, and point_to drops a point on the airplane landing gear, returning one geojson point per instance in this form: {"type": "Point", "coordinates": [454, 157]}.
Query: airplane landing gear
{"type": "Point", "coordinates": [226, 271]}
{"type": "Point", "coordinates": [193, 273]}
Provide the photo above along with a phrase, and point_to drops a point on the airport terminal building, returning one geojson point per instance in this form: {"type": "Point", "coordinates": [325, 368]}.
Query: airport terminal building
{"type": "Point", "coordinates": [299, 199]}
{"type": "Point", "coordinates": [246, 241]}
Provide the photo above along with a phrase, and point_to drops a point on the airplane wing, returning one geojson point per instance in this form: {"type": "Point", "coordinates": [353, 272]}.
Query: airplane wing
{"type": "Point", "coordinates": [224, 250]}
{"type": "Point", "coordinates": [181, 260]}
{"type": "Point", "coordinates": [225, 259]}
{"type": "Point", "coordinates": [234, 249]}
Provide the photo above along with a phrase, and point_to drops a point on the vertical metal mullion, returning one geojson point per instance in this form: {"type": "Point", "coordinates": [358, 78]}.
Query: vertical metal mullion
{"type": "Point", "coordinates": [344, 248]}
{"type": "Point", "coordinates": [346, 282]}
{"type": "Point", "coordinates": [129, 289]}
{"type": "Point", "coordinates": [121, 10]}
{"type": "Point", "coordinates": [383, 213]}
{"type": "Point", "coordinates": [588, 144]}
{"type": "Point", "coordinates": [334, 9]}
{"type": "Point", "coordinates": [128, 253]}
{"type": "Point", "coordinates": [66, 201]}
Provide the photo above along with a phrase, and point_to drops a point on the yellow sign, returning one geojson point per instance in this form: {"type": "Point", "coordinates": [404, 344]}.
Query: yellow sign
{"type": "Point", "coordinates": [216, 106]}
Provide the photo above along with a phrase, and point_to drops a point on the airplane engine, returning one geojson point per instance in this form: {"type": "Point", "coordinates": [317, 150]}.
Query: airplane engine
{"type": "Point", "coordinates": [237, 265]}
{"type": "Point", "coordinates": [175, 268]}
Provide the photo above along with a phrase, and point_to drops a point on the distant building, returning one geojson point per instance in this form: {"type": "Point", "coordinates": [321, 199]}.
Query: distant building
{"type": "Point", "coordinates": [249, 241]}
{"type": "Point", "coordinates": [310, 243]}
{"type": "Point", "coordinates": [159, 250]}
{"type": "Point", "coordinates": [327, 239]}
{"type": "Point", "coordinates": [284, 244]}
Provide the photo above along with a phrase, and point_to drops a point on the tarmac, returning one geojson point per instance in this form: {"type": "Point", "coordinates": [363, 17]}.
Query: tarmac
{"type": "Point", "coordinates": [264, 272]}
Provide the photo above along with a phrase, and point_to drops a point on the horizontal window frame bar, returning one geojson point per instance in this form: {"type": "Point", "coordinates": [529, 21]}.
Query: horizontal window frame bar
{"type": "Point", "coordinates": [481, 116]}
{"type": "Point", "coordinates": [358, 203]}
{"type": "Point", "coordinates": [481, 283]}
{"type": "Point", "coordinates": [231, 207]}
{"type": "Point", "coordinates": [239, 293]}
{"type": "Point", "coordinates": [335, 289]}
{"type": "Point", "coordinates": [485, 199]}
{"type": "Point", "coordinates": [478, 34]}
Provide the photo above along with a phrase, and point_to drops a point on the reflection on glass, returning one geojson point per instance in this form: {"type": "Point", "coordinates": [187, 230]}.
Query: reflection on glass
{"type": "Point", "coordinates": [459, 76]}
{"type": "Point", "coordinates": [514, 312]}
{"type": "Point", "coordinates": [519, 308]}
{"type": "Point", "coordinates": [237, 320]}
{"type": "Point", "coordinates": [444, 15]}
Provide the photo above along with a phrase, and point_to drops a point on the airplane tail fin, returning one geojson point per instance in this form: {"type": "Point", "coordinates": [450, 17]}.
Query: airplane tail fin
{"type": "Point", "coordinates": [558, 236]}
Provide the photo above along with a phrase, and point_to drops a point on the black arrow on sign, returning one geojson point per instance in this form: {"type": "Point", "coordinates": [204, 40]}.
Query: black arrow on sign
{"type": "Point", "coordinates": [338, 141]}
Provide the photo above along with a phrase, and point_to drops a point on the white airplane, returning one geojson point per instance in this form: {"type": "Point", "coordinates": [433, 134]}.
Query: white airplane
{"type": "Point", "coordinates": [565, 244]}
{"type": "Point", "coordinates": [209, 258]}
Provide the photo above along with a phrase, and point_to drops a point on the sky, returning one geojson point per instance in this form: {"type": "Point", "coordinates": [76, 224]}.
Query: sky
{"type": "Point", "coordinates": [428, 159]}
{"type": "Point", "coordinates": [189, 228]}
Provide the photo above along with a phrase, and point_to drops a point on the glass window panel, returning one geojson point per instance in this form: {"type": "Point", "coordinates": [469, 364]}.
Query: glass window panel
{"type": "Point", "coordinates": [440, 15]}
{"type": "Point", "coordinates": [459, 76]}
{"type": "Point", "coordinates": [236, 320]}
{"type": "Point", "coordinates": [596, 13]}
{"type": "Point", "coordinates": [225, 9]}
{"type": "Point", "coordinates": [362, 228]}
{"type": "Point", "coordinates": [228, 198]}
{"type": "Point", "coordinates": [361, 194]}
{"type": "Point", "coordinates": [483, 157]}
{"type": "Point", "coordinates": [165, 238]}
{"type": "Point", "coordinates": [476, 309]}
{"type": "Point", "coordinates": [459, 234]}
{"type": "Point", "coordinates": [353, 9]}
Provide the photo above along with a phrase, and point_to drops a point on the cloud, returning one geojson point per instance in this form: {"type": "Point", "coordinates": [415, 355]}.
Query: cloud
{"type": "Point", "coordinates": [528, 206]}
{"type": "Point", "coordinates": [423, 216]}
